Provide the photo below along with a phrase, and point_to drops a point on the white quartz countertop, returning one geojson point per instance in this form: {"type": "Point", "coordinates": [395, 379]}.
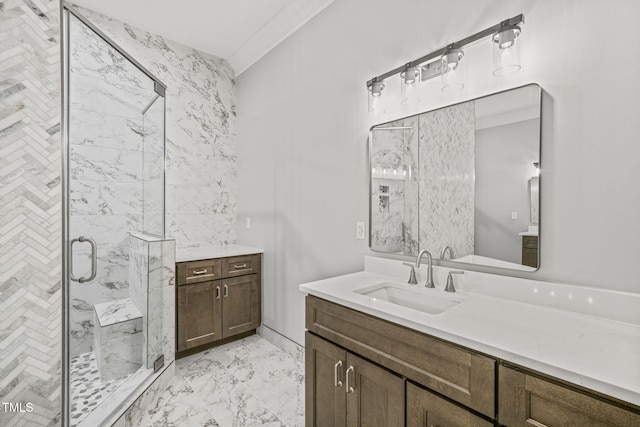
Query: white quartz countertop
{"type": "Point", "coordinates": [594, 352]}
{"type": "Point", "coordinates": [208, 252]}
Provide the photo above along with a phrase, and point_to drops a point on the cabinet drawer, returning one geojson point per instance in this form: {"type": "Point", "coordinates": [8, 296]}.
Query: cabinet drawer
{"type": "Point", "coordinates": [428, 409]}
{"type": "Point", "coordinates": [198, 271]}
{"type": "Point", "coordinates": [528, 400]}
{"type": "Point", "coordinates": [530, 242]}
{"type": "Point", "coordinates": [459, 374]}
{"type": "Point", "coordinates": [240, 265]}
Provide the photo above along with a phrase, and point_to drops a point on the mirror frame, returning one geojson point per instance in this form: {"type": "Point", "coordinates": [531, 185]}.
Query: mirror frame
{"type": "Point", "coordinates": [459, 264]}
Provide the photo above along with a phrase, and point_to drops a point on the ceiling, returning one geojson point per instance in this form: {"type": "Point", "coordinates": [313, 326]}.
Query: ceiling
{"type": "Point", "coordinates": [240, 31]}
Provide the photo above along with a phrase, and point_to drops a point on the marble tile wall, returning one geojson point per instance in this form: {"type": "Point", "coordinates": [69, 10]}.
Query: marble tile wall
{"type": "Point", "coordinates": [30, 287]}
{"type": "Point", "coordinates": [201, 188]}
{"type": "Point", "coordinates": [151, 272]}
{"type": "Point", "coordinates": [107, 147]}
{"type": "Point", "coordinates": [139, 283]}
{"type": "Point", "coordinates": [447, 179]}
{"type": "Point", "coordinates": [394, 219]}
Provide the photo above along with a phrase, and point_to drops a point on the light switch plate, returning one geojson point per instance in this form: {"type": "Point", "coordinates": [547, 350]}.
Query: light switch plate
{"type": "Point", "coordinates": [360, 230]}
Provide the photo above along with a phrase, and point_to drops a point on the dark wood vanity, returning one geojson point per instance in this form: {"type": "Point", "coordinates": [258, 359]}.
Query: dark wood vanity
{"type": "Point", "coordinates": [217, 300]}
{"type": "Point", "coordinates": [530, 251]}
{"type": "Point", "coordinates": [365, 371]}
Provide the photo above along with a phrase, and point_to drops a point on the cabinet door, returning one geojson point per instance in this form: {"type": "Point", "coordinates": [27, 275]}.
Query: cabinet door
{"type": "Point", "coordinates": [528, 401]}
{"type": "Point", "coordinates": [199, 314]}
{"type": "Point", "coordinates": [240, 304]}
{"type": "Point", "coordinates": [325, 398]}
{"type": "Point", "coordinates": [375, 396]}
{"type": "Point", "coordinates": [426, 409]}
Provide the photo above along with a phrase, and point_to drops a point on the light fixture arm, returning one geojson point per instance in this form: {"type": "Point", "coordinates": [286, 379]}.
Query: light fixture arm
{"type": "Point", "coordinates": [518, 19]}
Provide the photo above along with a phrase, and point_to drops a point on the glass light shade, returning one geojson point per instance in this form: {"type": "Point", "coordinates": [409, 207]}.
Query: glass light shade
{"type": "Point", "coordinates": [408, 85]}
{"type": "Point", "coordinates": [375, 93]}
{"type": "Point", "coordinates": [452, 71]}
{"type": "Point", "coordinates": [506, 52]}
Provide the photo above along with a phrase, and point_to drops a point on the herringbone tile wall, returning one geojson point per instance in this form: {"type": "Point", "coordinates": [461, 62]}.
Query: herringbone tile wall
{"type": "Point", "coordinates": [30, 218]}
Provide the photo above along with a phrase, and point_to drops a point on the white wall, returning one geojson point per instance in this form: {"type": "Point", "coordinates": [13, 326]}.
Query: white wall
{"type": "Point", "coordinates": [303, 126]}
{"type": "Point", "coordinates": [504, 166]}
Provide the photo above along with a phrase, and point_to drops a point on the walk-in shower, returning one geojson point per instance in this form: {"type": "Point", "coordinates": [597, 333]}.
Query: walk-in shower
{"type": "Point", "coordinates": [113, 175]}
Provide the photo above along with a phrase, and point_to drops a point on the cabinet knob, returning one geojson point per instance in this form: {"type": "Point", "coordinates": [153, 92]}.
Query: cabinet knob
{"type": "Point", "coordinates": [240, 266]}
{"type": "Point", "coordinates": [217, 292]}
{"type": "Point", "coordinates": [197, 272]}
{"type": "Point", "coordinates": [226, 291]}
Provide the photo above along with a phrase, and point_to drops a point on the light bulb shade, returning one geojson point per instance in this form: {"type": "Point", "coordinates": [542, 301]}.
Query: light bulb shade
{"type": "Point", "coordinates": [376, 88]}
{"type": "Point", "coordinates": [452, 71]}
{"type": "Point", "coordinates": [408, 85]}
{"type": "Point", "coordinates": [410, 75]}
{"type": "Point", "coordinates": [375, 92]}
{"type": "Point", "coordinates": [506, 52]}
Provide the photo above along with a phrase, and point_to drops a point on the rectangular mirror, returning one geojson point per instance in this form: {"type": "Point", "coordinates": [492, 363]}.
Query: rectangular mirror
{"type": "Point", "coordinates": [465, 177]}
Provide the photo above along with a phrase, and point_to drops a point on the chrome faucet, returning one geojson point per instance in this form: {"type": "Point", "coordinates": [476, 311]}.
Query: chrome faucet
{"type": "Point", "coordinates": [429, 283]}
{"type": "Point", "coordinates": [444, 251]}
{"type": "Point", "coordinates": [450, 287]}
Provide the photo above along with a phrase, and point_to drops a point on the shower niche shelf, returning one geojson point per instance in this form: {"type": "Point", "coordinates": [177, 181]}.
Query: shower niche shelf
{"type": "Point", "coordinates": [217, 300]}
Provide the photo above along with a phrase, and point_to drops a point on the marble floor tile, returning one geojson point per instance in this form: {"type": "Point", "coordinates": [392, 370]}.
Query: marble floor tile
{"type": "Point", "coordinates": [246, 383]}
{"type": "Point", "coordinates": [179, 406]}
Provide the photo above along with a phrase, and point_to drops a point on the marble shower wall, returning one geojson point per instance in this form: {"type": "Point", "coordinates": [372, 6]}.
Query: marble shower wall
{"type": "Point", "coordinates": [107, 95]}
{"type": "Point", "coordinates": [447, 179]}
{"type": "Point", "coordinates": [152, 279]}
{"type": "Point", "coordinates": [394, 219]}
{"type": "Point", "coordinates": [201, 181]}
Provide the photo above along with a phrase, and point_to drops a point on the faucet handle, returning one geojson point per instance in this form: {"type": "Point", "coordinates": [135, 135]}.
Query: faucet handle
{"type": "Point", "coordinates": [450, 287]}
{"type": "Point", "coordinates": [412, 275]}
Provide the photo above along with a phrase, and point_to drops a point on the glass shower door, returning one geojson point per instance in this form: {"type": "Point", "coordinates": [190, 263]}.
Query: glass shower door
{"type": "Point", "coordinates": [115, 120]}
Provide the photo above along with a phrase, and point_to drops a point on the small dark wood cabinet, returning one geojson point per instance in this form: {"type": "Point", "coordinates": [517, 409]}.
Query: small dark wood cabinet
{"type": "Point", "coordinates": [365, 371]}
{"type": "Point", "coordinates": [216, 300]}
{"type": "Point", "coordinates": [343, 389]}
{"type": "Point", "coordinates": [425, 408]}
{"type": "Point", "coordinates": [528, 399]}
{"type": "Point", "coordinates": [530, 251]}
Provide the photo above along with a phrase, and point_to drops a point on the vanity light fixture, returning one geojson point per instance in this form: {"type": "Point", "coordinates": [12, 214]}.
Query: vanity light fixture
{"type": "Point", "coordinates": [506, 52]}
{"type": "Point", "coordinates": [409, 79]}
{"type": "Point", "coordinates": [452, 70]}
{"type": "Point", "coordinates": [375, 91]}
{"type": "Point", "coordinates": [447, 62]}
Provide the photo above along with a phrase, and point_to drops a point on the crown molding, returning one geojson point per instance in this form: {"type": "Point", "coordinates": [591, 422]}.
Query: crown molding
{"type": "Point", "coordinates": [285, 23]}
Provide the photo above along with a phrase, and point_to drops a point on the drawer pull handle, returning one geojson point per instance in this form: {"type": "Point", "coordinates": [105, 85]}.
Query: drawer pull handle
{"type": "Point", "coordinates": [217, 292]}
{"type": "Point", "coordinates": [336, 382]}
{"type": "Point", "coordinates": [348, 388]}
{"type": "Point", "coordinates": [196, 272]}
{"type": "Point", "coordinates": [240, 266]}
{"type": "Point", "coordinates": [226, 291]}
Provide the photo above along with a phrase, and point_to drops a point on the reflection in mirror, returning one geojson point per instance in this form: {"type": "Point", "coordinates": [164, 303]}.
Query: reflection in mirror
{"type": "Point", "coordinates": [462, 178]}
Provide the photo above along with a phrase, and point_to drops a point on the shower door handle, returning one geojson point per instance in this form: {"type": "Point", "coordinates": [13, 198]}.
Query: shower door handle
{"type": "Point", "coordinates": [94, 259]}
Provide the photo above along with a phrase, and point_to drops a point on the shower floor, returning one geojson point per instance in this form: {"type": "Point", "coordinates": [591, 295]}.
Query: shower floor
{"type": "Point", "coordinates": [87, 391]}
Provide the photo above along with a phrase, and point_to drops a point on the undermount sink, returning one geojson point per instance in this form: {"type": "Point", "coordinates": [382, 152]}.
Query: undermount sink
{"type": "Point", "coordinates": [422, 300]}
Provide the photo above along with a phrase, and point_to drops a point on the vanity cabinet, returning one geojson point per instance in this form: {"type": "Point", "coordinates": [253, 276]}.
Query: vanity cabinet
{"type": "Point", "coordinates": [425, 408]}
{"type": "Point", "coordinates": [217, 300]}
{"type": "Point", "coordinates": [394, 369]}
{"type": "Point", "coordinates": [456, 373]}
{"type": "Point", "coordinates": [530, 400]}
{"type": "Point", "coordinates": [343, 389]}
{"type": "Point", "coordinates": [530, 251]}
